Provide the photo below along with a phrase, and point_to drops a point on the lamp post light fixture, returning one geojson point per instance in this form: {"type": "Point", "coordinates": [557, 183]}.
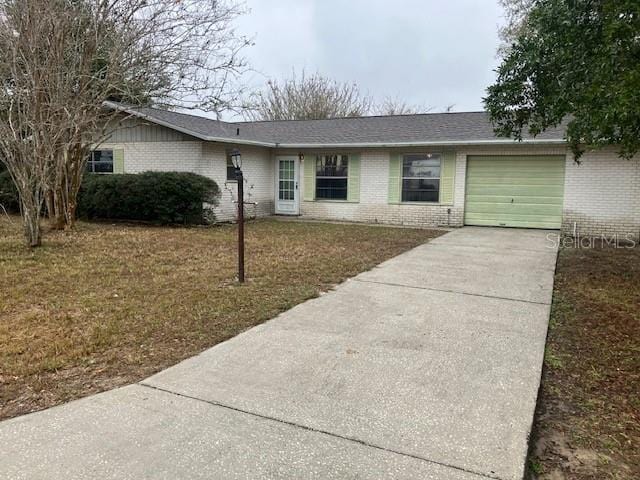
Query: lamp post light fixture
{"type": "Point", "coordinates": [236, 160]}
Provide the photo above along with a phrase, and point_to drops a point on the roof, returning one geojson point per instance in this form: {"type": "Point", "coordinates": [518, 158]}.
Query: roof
{"type": "Point", "coordinates": [468, 128]}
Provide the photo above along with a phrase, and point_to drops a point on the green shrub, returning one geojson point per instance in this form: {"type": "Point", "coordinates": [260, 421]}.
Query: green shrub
{"type": "Point", "coordinates": [162, 197]}
{"type": "Point", "coordinates": [8, 194]}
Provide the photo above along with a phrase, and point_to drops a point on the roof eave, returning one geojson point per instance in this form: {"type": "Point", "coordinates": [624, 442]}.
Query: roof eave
{"type": "Point", "coordinates": [258, 143]}
{"type": "Point", "coordinates": [237, 141]}
{"type": "Point", "coordinates": [424, 144]}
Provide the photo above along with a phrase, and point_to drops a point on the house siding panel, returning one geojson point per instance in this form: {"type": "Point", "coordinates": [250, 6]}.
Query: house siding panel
{"type": "Point", "coordinates": [136, 130]}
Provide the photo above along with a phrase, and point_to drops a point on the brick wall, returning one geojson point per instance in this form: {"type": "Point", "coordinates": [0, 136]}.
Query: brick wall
{"type": "Point", "coordinates": [257, 168]}
{"type": "Point", "coordinates": [602, 195]}
{"type": "Point", "coordinates": [374, 206]}
{"type": "Point", "coordinates": [208, 159]}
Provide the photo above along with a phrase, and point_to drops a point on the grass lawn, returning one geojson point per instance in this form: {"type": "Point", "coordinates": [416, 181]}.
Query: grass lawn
{"type": "Point", "coordinates": [107, 305]}
{"type": "Point", "coordinates": [588, 419]}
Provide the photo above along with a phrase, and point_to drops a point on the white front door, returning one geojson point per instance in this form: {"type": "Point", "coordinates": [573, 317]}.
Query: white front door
{"type": "Point", "coordinates": [287, 193]}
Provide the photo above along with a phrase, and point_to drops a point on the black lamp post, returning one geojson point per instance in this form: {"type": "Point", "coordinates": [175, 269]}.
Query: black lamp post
{"type": "Point", "coordinates": [236, 160]}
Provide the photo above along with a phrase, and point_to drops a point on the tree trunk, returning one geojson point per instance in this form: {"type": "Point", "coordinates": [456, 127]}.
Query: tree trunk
{"type": "Point", "coordinates": [55, 208]}
{"type": "Point", "coordinates": [75, 164]}
{"type": "Point", "coordinates": [58, 222]}
{"type": "Point", "coordinates": [31, 223]}
{"type": "Point", "coordinates": [70, 216]}
{"type": "Point", "coordinates": [49, 203]}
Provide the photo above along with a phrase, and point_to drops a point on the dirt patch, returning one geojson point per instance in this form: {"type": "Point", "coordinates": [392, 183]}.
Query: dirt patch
{"type": "Point", "coordinates": [587, 423]}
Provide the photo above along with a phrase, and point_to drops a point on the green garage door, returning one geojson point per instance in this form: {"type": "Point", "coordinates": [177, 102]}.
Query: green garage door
{"type": "Point", "coordinates": [515, 191]}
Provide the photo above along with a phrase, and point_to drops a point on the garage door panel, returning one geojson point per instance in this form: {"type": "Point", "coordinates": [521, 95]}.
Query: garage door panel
{"type": "Point", "coordinates": [515, 191]}
{"type": "Point", "coordinates": [549, 167]}
{"type": "Point", "coordinates": [524, 222]}
{"type": "Point", "coordinates": [516, 160]}
{"type": "Point", "coordinates": [515, 184]}
{"type": "Point", "coordinates": [551, 200]}
{"type": "Point", "coordinates": [516, 209]}
{"type": "Point", "coordinates": [555, 191]}
{"type": "Point", "coordinates": [533, 177]}
{"type": "Point", "coordinates": [505, 217]}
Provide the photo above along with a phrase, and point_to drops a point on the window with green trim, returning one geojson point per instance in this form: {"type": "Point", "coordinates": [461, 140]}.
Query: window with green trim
{"type": "Point", "coordinates": [332, 177]}
{"type": "Point", "coordinates": [421, 177]}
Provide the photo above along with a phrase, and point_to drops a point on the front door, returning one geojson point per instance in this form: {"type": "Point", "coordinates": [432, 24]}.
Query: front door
{"type": "Point", "coordinates": [287, 193]}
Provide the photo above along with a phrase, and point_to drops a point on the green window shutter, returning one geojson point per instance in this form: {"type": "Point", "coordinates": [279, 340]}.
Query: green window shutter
{"type": "Point", "coordinates": [118, 160]}
{"type": "Point", "coordinates": [309, 178]}
{"type": "Point", "coordinates": [353, 186]}
{"type": "Point", "coordinates": [395, 178]}
{"type": "Point", "coordinates": [447, 178]}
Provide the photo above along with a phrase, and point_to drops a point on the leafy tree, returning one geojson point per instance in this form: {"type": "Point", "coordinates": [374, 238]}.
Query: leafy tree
{"type": "Point", "coordinates": [576, 61]}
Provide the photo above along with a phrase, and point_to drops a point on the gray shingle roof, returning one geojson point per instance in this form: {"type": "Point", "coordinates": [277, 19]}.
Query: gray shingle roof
{"type": "Point", "coordinates": [437, 128]}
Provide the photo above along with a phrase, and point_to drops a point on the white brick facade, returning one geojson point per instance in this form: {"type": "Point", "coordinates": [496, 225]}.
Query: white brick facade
{"type": "Point", "coordinates": [374, 206]}
{"type": "Point", "coordinates": [601, 195]}
{"type": "Point", "coordinates": [258, 181]}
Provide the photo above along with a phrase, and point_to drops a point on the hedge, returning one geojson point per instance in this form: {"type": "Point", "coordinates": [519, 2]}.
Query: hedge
{"type": "Point", "coordinates": [8, 194]}
{"type": "Point", "coordinates": [160, 197]}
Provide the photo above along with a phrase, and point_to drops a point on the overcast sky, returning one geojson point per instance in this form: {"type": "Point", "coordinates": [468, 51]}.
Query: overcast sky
{"type": "Point", "coordinates": [427, 52]}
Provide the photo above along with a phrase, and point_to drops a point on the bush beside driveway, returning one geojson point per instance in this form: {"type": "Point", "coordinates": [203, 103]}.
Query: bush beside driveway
{"type": "Point", "coordinates": [107, 305]}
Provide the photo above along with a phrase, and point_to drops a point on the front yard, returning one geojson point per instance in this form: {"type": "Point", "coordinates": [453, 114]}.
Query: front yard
{"type": "Point", "coordinates": [108, 305]}
{"type": "Point", "coordinates": [588, 419]}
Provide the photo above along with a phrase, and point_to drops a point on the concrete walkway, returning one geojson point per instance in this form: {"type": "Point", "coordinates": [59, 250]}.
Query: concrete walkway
{"type": "Point", "coordinates": [426, 367]}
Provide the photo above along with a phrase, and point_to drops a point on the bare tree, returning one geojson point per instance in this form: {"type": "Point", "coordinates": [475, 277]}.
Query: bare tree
{"type": "Point", "coordinates": [308, 97]}
{"type": "Point", "coordinates": [396, 106]}
{"type": "Point", "coordinates": [515, 12]}
{"type": "Point", "coordinates": [62, 59]}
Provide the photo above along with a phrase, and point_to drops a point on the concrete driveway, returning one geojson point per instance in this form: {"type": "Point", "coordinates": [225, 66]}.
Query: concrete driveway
{"type": "Point", "coordinates": [426, 367]}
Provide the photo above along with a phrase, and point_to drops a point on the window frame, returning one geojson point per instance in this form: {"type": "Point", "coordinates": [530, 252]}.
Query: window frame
{"type": "Point", "coordinates": [440, 156]}
{"type": "Point", "coordinates": [229, 165]}
{"type": "Point", "coordinates": [318, 156]}
{"type": "Point", "coordinates": [91, 162]}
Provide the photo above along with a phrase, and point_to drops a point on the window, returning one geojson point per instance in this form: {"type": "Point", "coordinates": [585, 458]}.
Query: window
{"type": "Point", "coordinates": [231, 170]}
{"type": "Point", "coordinates": [332, 177]}
{"type": "Point", "coordinates": [100, 161]}
{"type": "Point", "coordinates": [421, 178]}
